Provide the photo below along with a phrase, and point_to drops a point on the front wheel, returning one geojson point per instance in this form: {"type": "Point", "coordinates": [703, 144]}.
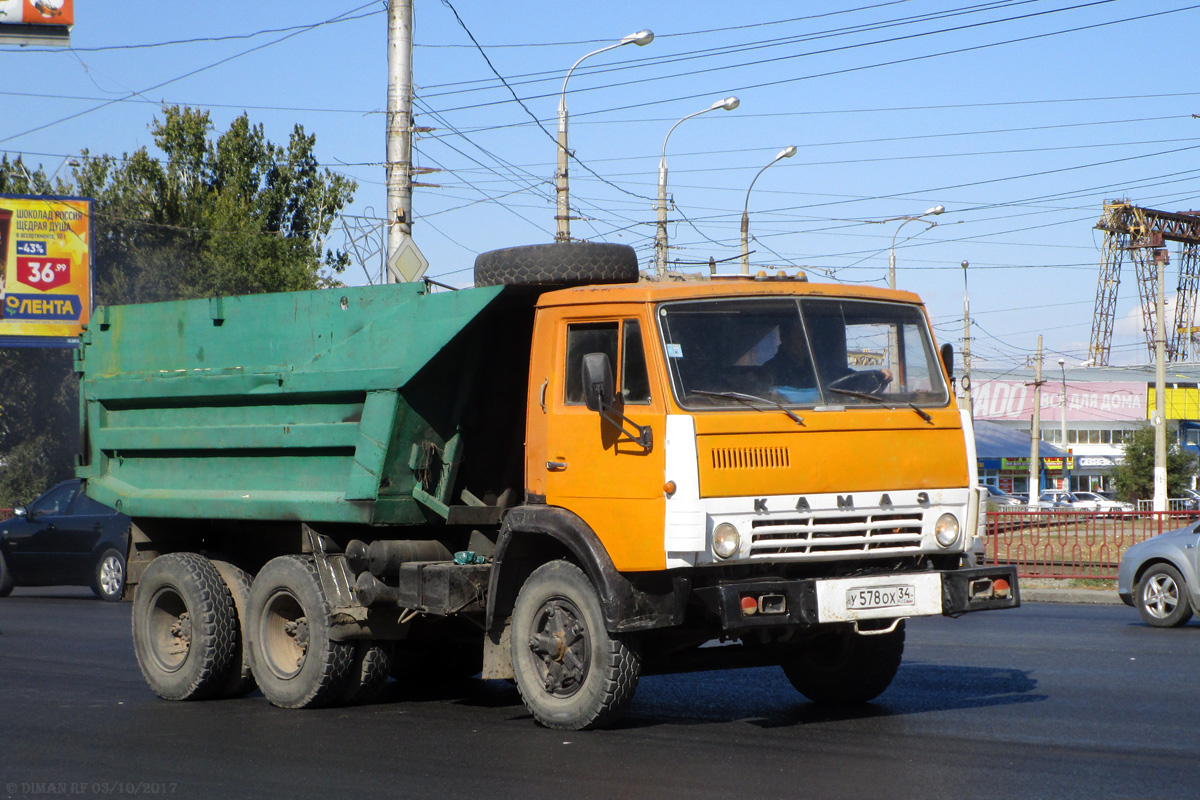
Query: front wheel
{"type": "Point", "coordinates": [1162, 597]}
{"type": "Point", "coordinates": [571, 672]}
{"type": "Point", "coordinates": [841, 667]}
{"type": "Point", "coordinates": [295, 662]}
{"type": "Point", "coordinates": [108, 582]}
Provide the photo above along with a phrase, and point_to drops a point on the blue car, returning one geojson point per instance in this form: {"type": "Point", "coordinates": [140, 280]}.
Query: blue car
{"type": "Point", "coordinates": [65, 538]}
{"type": "Point", "coordinates": [1158, 577]}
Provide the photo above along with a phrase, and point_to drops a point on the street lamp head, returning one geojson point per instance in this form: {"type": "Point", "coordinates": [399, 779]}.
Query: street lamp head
{"type": "Point", "coordinates": [641, 38]}
{"type": "Point", "coordinates": [938, 209]}
{"type": "Point", "coordinates": [786, 152]}
{"type": "Point", "coordinates": [728, 104]}
{"type": "Point", "coordinates": [1062, 362]}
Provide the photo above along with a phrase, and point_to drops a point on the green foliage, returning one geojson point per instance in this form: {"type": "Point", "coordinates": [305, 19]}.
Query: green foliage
{"type": "Point", "coordinates": [1134, 480]}
{"type": "Point", "coordinates": [234, 215]}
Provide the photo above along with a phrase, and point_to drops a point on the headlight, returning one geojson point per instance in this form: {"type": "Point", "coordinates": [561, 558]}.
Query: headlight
{"type": "Point", "coordinates": [946, 530]}
{"type": "Point", "coordinates": [726, 540]}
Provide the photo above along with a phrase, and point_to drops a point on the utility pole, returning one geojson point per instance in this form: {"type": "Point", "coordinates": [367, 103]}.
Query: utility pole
{"type": "Point", "coordinates": [399, 134]}
{"type": "Point", "coordinates": [1160, 389]}
{"type": "Point", "coordinates": [1035, 433]}
{"type": "Point", "coordinates": [966, 378]}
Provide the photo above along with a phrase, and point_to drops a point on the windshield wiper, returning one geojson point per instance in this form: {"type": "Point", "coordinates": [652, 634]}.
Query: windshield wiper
{"type": "Point", "coordinates": [920, 411]}
{"type": "Point", "coordinates": [750, 398]}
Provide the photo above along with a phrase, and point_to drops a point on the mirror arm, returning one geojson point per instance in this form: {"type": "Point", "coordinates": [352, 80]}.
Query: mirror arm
{"type": "Point", "coordinates": [644, 436]}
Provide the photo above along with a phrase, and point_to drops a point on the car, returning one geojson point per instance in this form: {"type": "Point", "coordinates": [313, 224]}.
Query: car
{"type": "Point", "coordinates": [65, 538]}
{"type": "Point", "coordinates": [1190, 500]}
{"type": "Point", "coordinates": [1094, 501]}
{"type": "Point", "coordinates": [1000, 501]}
{"type": "Point", "coordinates": [1158, 577]}
{"type": "Point", "coordinates": [1054, 500]}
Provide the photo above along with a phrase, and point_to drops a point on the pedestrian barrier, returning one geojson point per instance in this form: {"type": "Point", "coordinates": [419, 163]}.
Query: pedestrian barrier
{"type": "Point", "coordinates": [5, 513]}
{"type": "Point", "coordinates": [1073, 544]}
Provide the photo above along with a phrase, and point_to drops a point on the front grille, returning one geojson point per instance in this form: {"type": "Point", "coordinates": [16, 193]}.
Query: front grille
{"type": "Point", "coordinates": [816, 534]}
{"type": "Point", "coordinates": [751, 458]}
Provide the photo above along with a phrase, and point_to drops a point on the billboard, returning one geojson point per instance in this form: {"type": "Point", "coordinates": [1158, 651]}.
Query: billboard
{"type": "Point", "coordinates": [38, 12]}
{"type": "Point", "coordinates": [1091, 401]}
{"type": "Point", "coordinates": [37, 22]}
{"type": "Point", "coordinates": [46, 279]}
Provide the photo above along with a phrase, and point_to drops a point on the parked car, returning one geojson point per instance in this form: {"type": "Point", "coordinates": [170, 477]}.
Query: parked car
{"type": "Point", "coordinates": [1000, 501]}
{"type": "Point", "coordinates": [1191, 500]}
{"type": "Point", "coordinates": [65, 538]}
{"type": "Point", "coordinates": [1158, 577]}
{"type": "Point", "coordinates": [1094, 501]}
{"type": "Point", "coordinates": [1054, 500]}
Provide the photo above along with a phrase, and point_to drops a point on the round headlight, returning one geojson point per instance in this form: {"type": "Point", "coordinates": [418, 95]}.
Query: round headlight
{"type": "Point", "coordinates": [726, 540]}
{"type": "Point", "coordinates": [946, 530]}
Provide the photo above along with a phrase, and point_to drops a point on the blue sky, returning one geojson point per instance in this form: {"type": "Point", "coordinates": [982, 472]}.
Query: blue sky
{"type": "Point", "coordinates": [1019, 116]}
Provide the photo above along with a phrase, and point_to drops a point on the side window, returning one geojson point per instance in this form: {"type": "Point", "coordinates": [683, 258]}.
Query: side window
{"type": "Point", "coordinates": [582, 339]}
{"type": "Point", "coordinates": [54, 503]}
{"type": "Point", "coordinates": [635, 380]}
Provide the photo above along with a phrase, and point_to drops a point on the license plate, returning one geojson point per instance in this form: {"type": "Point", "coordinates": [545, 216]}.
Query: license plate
{"type": "Point", "coordinates": [860, 598]}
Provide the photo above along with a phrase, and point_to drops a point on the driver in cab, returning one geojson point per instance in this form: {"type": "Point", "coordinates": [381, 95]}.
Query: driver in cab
{"type": "Point", "coordinates": [793, 376]}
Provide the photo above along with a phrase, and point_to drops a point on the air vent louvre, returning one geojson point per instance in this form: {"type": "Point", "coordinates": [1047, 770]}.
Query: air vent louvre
{"type": "Point", "coordinates": [751, 458]}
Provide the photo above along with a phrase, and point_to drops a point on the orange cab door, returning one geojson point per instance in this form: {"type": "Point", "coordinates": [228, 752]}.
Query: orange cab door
{"type": "Point", "coordinates": [590, 466]}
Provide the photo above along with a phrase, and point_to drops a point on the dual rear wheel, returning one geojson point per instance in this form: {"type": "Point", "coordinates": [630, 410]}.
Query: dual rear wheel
{"type": "Point", "coordinates": [204, 630]}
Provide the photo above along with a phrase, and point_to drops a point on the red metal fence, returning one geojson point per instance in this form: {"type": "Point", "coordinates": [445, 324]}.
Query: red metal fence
{"type": "Point", "coordinates": [5, 513]}
{"type": "Point", "coordinates": [1072, 544]}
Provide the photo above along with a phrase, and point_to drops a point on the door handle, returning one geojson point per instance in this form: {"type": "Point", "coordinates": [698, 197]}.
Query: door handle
{"type": "Point", "coordinates": [556, 466]}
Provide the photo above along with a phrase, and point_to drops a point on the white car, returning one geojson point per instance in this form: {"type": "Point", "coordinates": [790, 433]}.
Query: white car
{"type": "Point", "coordinates": [1090, 501]}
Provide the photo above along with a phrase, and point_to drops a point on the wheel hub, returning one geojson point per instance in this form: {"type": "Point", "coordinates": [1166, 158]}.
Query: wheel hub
{"type": "Point", "coordinates": [560, 646]}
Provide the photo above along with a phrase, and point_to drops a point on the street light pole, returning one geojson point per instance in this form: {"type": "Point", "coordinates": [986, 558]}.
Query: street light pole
{"type": "Point", "coordinates": [786, 152]}
{"type": "Point", "coordinates": [660, 236]}
{"type": "Point", "coordinates": [563, 217]}
{"type": "Point", "coordinates": [1062, 365]}
{"type": "Point", "coordinates": [938, 209]}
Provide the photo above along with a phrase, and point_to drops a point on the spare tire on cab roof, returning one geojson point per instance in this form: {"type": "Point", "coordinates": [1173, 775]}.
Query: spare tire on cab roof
{"type": "Point", "coordinates": [557, 264]}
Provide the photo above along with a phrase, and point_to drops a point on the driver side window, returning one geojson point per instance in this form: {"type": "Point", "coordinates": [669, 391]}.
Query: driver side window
{"type": "Point", "coordinates": [54, 503]}
{"type": "Point", "coordinates": [622, 343]}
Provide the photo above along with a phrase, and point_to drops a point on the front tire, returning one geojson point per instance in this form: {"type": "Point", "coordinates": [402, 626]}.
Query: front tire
{"type": "Point", "coordinates": [108, 579]}
{"type": "Point", "coordinates": [571, 672]}
{"type": "Point", "coordinates": [1162, 597]}
{"type": "Point", "coordinates": [184, 627]}
{"type": "Point", "coordinates": [841, 667]}
{"type": "Point", "coordinates": [295, 662]}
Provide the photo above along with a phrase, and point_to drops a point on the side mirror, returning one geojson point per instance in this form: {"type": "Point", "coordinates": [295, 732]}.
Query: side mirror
{"type": "Point", "coordinates": [597, 381]}
{"type": "Point", "coordinates": [19, 511]}
{"type": "Point", "coordinates": [948, 359]}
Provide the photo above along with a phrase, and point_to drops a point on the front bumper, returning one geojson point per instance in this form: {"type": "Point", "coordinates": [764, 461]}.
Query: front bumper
{"type": "Point", "coordinates": [813, 601]}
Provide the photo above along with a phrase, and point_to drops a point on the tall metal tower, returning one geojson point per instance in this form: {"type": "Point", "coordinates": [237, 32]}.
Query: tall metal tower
{"type": "Point", "coordinates": [1143, 234]}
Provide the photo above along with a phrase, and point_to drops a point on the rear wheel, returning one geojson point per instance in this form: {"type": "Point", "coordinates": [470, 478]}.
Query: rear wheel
{"type": "Point", "coordinates": [572, 673]}
{"type": "Point", "coordinates": [241, 677]}
{"type": "Point", "coordinates": [184, 627]}
{"type": "Point", "coordinates": [1162, 597]}
{"type": "Point", "coordinates": [295, 662]}
{"type": "Point", "coordinates": [108, 582]}
{"type": "Point", "coordinates": [369, 671]}
{"type": "Point", "coordinates": [841, 667]}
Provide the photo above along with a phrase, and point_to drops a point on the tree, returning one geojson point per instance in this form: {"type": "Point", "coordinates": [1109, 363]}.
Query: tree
{"type": "Point", "coordinates": [234, 215]}
{"type": "Point", "coordinates": [1134, 479]}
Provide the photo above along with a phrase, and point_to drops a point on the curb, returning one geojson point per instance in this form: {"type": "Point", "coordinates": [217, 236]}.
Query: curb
{"type": "Point", "coordinates": [1083, 596]}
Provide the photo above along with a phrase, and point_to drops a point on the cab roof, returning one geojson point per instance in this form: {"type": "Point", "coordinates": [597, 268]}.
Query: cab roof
{"type": "Point", "coordinates": [661, 291]}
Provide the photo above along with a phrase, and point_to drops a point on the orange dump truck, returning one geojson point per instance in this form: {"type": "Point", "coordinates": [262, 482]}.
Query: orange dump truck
{"type": "Point", "coordinates": [563, 476]}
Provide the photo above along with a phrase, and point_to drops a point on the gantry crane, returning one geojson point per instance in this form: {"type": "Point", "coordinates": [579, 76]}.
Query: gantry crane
{"type": "Point", "coordinates": [1143, 234]}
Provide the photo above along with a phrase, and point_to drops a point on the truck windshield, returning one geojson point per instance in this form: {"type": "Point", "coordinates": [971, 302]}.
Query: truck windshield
{"type": "Point", "coordinates": [800, 352]}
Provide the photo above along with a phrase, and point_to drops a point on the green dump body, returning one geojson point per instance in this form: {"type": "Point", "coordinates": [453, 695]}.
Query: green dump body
{"type": "Point", "coordinates": [352, 405]}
